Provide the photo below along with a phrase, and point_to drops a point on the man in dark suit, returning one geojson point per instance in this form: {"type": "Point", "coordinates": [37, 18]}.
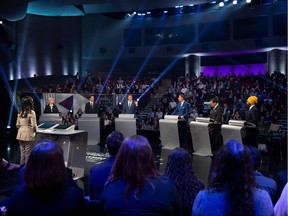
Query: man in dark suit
{"type": "Point", "coordinates": [216, 114]}
{"type": "Point", "coordinates": [182, 108]}
{"type": "Point", "coordinates": [130, 106]}
{"type": "Point", "coordinates": [91, 106]}
{"type": "Point", "coordinates": [252, 113]}
{"type": "Point", "coordinates": [99, 173]}
{"type": "Point", "coordinates": [250, 131]}
{"type": "Point", "coordinates": [51, 107]}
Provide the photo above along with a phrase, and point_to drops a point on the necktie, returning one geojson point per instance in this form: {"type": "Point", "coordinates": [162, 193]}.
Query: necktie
{"type": "Point", "coordinates": [129, 104]}
{"type": "Point", "coordinates": [91, 104]}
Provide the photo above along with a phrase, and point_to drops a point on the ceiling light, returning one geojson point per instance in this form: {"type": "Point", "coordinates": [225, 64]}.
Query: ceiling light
{"type": "Point", "coordinates": [221, 4]}
{"type": "Point", "coordinates": [235, 2]}
{"type": "Point", "coordinates": [248, 1]}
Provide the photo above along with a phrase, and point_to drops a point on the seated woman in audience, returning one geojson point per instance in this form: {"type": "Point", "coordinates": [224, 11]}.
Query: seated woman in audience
{"type": "Point", "coordinates": [7, 166]}
{"type": "Point", "coordinates": [46, 189]}
{"type": "Point", "coordinates": [232, 189]}
{"type": "Point", "coordinates": [134, 187]}
{"type": "Point", "coordinates": [179, 169]}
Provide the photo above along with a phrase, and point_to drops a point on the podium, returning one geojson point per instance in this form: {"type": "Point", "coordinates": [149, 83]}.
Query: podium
{"type": "Point", "coordinates": [52, 118]}
{"type": "Point", "coordinates": [91, 124]}
{"type": "Point", "coordinates": [169, 132]}
{"type": "Point", "coordinates": [126, 124]}
{"type": "Point", "coordinates": [232, 131]}
{"type": "Point", "coordinates": [200, 136]}
{"type": "Point", "coordinates": [73, 143]}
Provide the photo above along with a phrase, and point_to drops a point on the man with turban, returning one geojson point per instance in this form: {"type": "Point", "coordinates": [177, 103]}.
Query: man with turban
{"type": "Point", "coordinates": [252, 113]}
{"type": "Point", "coordinates": [250, 135]}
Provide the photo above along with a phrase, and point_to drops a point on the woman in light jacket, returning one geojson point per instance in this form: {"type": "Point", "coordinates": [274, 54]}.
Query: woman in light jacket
{"type": "Point", "coordinates": [26, 124]}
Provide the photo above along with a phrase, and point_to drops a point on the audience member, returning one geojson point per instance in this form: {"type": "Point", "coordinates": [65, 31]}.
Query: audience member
{"type": "Point", "coordinates": [27, 125]}
{"type": "Point", "coordinates": [179, 169]}
{"type": "Point", "coordinates": [232, 189]}
{"type": "Point", "coordinates": [46, 189]}
{"type": "Point", "coordinates": [134, 187]}
{"type": "Point", "coordinates": [281, 207]}
{"type": "Point", "coordinates": [6, 165]}
{"type": "Point", "coordinates": [263, 182]}
{"type": "Point", "coordinates": [100, 172]}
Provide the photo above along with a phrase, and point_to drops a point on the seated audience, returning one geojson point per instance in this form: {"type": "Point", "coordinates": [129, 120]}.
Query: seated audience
{"type": "Point", "coordinates": [263, 182]}
{"type": "Point", "coordinates": [46, 189]}
{"type": "Point", "coordinates": [179, 169]}
{"type": "Point", "coordinates": [7, 166]}
{"type": "Point", "coordinates": [232, 189]}
{"type": "Point", "coordinates": [281, 207]}
{"type": "Point", "coordinates": [134, 186]}
{"type": "Point", "coordinates": [100, 172]}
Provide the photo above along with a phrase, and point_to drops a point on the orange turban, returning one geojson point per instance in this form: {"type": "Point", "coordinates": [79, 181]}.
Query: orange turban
{"type": "Point", "coordinates": [252, 100]}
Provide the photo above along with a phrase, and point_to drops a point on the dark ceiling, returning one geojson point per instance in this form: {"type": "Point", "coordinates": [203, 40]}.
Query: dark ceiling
{"type": "Point", "coordinates": [14, 10]}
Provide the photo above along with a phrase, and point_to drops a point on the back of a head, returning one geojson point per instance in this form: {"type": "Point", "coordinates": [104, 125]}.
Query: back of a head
{"type": "Point", "coordinates": [45, 167]}
{"type": "Point", "coordinates": [256, 157]}
{"type": "Point", "coordinates": [179, 161]}
{"type": "Point", "coordinates": [134, 161]}
{"type": "Point", "coordinates": [233, 161]}
{"type": "Point", "coordinates": [27, 105]}
{"type": "Point", "coordinates": [113, 142]}
{"type": "Point", "coordinates": [232, 173]}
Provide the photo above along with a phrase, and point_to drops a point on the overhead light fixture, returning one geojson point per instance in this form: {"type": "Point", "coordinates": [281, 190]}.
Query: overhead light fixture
{"type": "Point", "coordinates": [248, 1]}
{"type": "Point", "coordinates": [221, 4]}
{"type": "Point", "coordinates": [165, 11]}
{"type": "Point", "coordinates": [235, 2]}
{"type": "Point", "coordinates": [1, 22]}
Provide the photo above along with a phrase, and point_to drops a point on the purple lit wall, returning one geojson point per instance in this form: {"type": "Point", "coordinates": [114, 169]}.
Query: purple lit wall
{"type": "Point", "coordinates": [237, 69]}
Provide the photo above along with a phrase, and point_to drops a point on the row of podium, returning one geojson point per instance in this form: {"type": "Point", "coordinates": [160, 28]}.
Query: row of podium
{"type": "Point", "coordinates": [75, 142]}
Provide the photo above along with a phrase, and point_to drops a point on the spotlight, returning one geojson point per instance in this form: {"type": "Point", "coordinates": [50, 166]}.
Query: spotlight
{"type": "Point", "coordinates": [248, 1]}
{"type": "Point", "coordinates": [134, 13]}
{"type": "Point", "coordinates": [1, 22]}
{"type": "Point", "coordinates": [165, 11]}
{"type": "Point", "coordinates": [119, 103]}
{"type": "Point", "coordinates": [191, 5]}
{"type": "Point", "coordinates": [213, 2]}
{"type": "Point", "coordinates": [148, 12]}
{"type": "Point", "coordinates": [138, 99]}
{"type": "Point", "coordinates": [221, 4]}
{"type": "Point", "coordinates": [8, 127]}
{"type": "Point", "coordinates": [235, 2]}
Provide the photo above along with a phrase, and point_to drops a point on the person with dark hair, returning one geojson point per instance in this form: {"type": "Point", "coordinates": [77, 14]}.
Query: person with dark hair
{"type": "Point", "coordinates": [182, 109]}
{"type": "Point", "coordinates": [134, 186]}
{"type": "Point", "coordinates": [263, 182]}
{"type": "Point", "coordinates": [46, 190]}
{"type": "Point", "coordinates": [7, 166]}
{"type": "Point", "coordinates": [179, 169]}
{"type": "Point", "coordinates": [99, 173]}
{"type": "Point", "coordinates": [130, 106]}
{"type": "Point", "coordinates": [51, 107]}
{"type": "Point", "coordinates": [27, 125]}
{"type": "Point", "coordinates": [232, 189]}
{"type": "Point", "coordinates": [90, 106]}
{"type": "Point", "coordinates": [281, 207]}
{"type": "Point", "coordinates": [216, 115]}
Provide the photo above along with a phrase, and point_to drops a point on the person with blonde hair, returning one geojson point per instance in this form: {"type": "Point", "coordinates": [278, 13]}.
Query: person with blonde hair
{"type": "Point", "coordinates": [51, 107]}
{"type": "Point", "coordinates": [27, 125]}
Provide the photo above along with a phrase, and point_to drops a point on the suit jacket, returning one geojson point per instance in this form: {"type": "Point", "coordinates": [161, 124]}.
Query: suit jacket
{"type": "Point", "coordinates": [27, 127]}
{"type": "Point", "coordinates": [252, 116]}
{"type": "Point", "coordinates": [129, 110]}
{"type": "Point", "coordinates": [216, 114]}
{"type": "Point", "coordinates": [90, 109]}
{"type": "Point", "coordinates": [99, 174]}
{"type": "Point", "coordinates": [49, 110]}
{"type": "Point", "coordinates": [182, 110]}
